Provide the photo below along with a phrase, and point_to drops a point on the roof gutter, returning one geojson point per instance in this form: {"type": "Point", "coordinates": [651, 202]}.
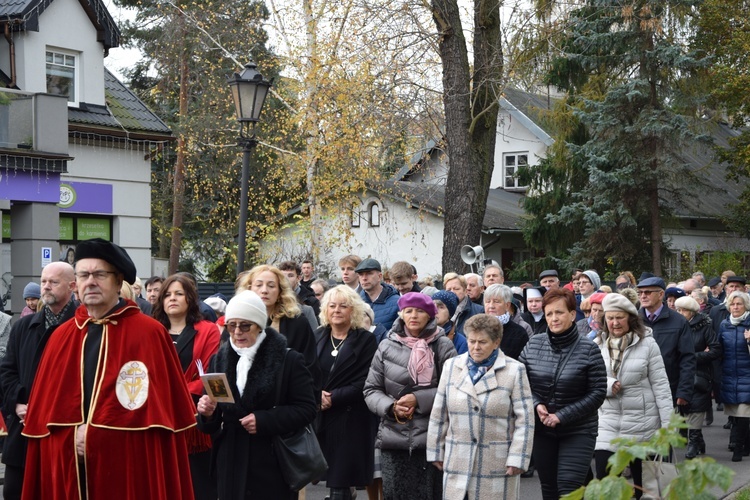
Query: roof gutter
{"type": "Point", "coordinates": [12, 54]}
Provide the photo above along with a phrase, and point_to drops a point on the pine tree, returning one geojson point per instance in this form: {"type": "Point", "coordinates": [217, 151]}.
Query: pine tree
{"type": "Point", "coordinates": [621, 64]}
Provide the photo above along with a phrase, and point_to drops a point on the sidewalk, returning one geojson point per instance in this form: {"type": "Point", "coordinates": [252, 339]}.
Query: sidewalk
{"type": "Point", "coordinates": [716, 447]}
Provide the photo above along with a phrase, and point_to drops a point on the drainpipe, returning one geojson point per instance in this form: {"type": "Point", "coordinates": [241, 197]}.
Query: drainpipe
{"type": "Point", "coordinates": [12, 50]}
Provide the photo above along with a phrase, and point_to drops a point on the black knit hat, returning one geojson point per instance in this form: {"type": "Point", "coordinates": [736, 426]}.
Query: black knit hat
{"type": "Point", "coordinates": [107, 251]}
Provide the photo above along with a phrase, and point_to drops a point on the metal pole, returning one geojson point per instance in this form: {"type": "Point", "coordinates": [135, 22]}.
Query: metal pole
{"type": "Point", "coordinates": [247, 143]}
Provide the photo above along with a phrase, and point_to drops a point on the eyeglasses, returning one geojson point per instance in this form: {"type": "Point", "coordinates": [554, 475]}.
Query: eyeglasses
{"type": "Point", "coordinates": [647, 292]}
{"type": "Point", "coordinates": [98, 275]}
{"type": "Point", "coordinates": [244, 327]}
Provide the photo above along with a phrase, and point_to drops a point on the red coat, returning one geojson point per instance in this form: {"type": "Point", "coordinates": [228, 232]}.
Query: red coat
{"type": "Point", "coordinates": [135, 447]}
{"type": "Point", "coordinates": [205, 345]}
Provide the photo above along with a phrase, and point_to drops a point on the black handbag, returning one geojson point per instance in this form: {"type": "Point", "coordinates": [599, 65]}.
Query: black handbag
{"type": "Point", "coordinates": [298, 454]}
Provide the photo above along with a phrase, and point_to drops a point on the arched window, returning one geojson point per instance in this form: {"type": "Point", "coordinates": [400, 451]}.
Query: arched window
{"type": "Point", "coordinates": [373, 211]}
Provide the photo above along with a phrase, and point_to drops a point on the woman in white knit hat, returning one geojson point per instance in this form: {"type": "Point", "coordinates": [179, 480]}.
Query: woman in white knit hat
{"type": "Point", "coordinates": [254, 360]}
{"type": "Point", "coordinates": [639, 400]}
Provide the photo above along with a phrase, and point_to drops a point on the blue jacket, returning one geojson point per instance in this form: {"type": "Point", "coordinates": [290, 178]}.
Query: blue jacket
{"type": "Point", "coordinates": [385, 306]}
{"type": "Point", "coordinates": [460, 343]}
{"type": "Point", "coordinates": [467, 313]}
{"type": "Point", "coordinates": [735, 368]}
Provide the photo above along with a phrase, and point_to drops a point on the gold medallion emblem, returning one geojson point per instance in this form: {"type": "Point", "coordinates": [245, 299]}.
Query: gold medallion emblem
{"type": "Point", "coordinates": [132, 385]}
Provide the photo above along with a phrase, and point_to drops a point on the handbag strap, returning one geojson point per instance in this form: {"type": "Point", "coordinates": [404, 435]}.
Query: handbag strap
{"type": "Point", "coordinates": [278, 381]}
{"type": "Point", "coordinates": [561, 366]}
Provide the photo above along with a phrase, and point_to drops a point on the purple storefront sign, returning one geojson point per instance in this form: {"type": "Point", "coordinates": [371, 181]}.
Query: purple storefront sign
{"type": "Point", "coordinates": [85, 197]}
{"type": "Point", "coordinates": [30, 186]}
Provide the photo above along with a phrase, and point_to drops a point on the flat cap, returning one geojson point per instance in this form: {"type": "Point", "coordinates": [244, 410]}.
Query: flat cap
{"type": "Point", "coordinates": [368, 265]}
{"type": "Point", "coordinates": [735, 279]}
{"type": "Point", "coordinates": [107, 251]}
{"type": "Point", "coordinates": [713, 282]}
{"type": "Point", "coordinates": [548, 272]}
{"type": "Point", "coordinates": [652, 281]}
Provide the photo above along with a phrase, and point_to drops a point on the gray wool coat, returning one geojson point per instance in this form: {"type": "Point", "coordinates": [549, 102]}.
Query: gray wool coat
{"type": "Point", "coordinates": [479, 430]}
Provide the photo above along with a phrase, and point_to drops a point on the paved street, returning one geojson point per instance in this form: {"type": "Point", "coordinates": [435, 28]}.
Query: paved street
{"type": "Point", "coordinates": [716, 446]}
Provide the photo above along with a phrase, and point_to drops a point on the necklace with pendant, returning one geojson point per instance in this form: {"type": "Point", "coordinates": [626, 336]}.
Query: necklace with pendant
{"type": "Point", "coordinates": [335, 351]}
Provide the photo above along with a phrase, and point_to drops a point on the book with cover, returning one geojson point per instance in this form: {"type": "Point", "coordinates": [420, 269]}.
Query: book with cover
{"type": "Point", "coordinates": [216, 385]}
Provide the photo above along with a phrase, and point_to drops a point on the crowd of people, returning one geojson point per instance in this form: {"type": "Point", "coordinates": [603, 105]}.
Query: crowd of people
{"type": "Point", "coordinates": [413, 392]}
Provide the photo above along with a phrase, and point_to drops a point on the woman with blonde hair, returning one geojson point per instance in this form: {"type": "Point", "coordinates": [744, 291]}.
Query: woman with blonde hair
{"type": "Point", "coordinates": [284, 313]}
{"type": "Point", "coordinates": [346, 429]}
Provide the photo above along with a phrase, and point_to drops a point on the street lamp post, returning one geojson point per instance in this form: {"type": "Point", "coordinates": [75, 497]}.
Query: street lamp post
{"type": "Point", "coordinates": [249, 91]}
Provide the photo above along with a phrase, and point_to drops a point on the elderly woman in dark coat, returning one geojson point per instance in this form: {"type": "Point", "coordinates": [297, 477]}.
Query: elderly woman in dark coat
{"type": "Point", "coordinates": [707, 350]}
{"type": "Point", "coordinates": [401, 389]}
{"type": "Point", "coordinates": [346, 426]}
{"type": "Point", "coordinates": [734, 337]}
{"type": "Point", "coordinates": [255, 360]}
{"type": "Point", "coordinates": [568, 383]}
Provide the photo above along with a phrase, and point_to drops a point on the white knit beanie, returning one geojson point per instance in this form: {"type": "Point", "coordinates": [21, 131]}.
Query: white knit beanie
{"type": "Point", "coordinates": [248, 306]}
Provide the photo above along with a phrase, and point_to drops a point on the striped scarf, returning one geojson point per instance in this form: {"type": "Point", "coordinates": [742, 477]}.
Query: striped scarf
{"type": "Point", "coordinates": [617, 346]}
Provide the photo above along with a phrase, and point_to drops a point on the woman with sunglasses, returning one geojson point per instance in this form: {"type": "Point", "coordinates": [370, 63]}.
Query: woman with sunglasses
{"type": "Point", "coordinates": [255, 360]}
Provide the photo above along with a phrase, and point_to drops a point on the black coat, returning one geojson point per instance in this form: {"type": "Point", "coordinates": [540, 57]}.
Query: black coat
{"type": "Point", "coordinates": [672, 332]}
{"type": "Point", "coordinates": [244, 464]}
{"type": "Point", "coordinates": [27, 340]}
{"type": "Point", "coordinates": [514, 340]}
{"type": "Point", "coordinates": [346, 431]}
{"type": "Point", "coordinates": [582, 383]}
{"type": "Point", "coordinates": [703, 336]}
{"type": "Point", "coordinates": [718, 314]}
{"type": "Point", "coordinates": [536, 326]}
{"type": "Point", "coordinates": [300, 337]}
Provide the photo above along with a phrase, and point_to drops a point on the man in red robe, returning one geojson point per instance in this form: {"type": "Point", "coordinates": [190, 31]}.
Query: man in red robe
{"type": "Point", "coordinates": [109, 401]}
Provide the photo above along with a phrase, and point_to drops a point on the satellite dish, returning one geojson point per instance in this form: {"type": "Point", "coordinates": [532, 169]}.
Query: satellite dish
{"type": "Point", "coordinates": [470, 254]}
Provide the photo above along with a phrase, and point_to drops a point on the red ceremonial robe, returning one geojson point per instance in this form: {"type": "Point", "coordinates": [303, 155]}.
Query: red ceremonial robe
{"type": "Point", "coordinates": [140, 404]}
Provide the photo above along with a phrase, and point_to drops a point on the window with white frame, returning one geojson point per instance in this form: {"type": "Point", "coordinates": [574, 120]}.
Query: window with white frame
{"type": "Point", "coordinates": [355, 216]}
{"type": "Point", "coordinates": [62, 70]}
{"type": "Point", "coordinates": [512, 163]}
{"type": "Point", "coordinates": [374, 214]}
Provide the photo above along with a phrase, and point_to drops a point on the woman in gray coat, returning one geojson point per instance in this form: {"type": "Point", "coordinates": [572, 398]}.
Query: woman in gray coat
{"type": "Point", "coordinates": [400, 389]}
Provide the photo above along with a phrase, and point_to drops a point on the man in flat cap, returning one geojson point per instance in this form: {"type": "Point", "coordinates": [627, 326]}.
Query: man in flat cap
{"type": "Point", "coordinates": [109, 402]}
{"type": "Point", "coordinates": [382, 297]}
{"type": "Point", "coordinates": [673, 335]}
{"type": "Point", "coordinates": [549, 279]}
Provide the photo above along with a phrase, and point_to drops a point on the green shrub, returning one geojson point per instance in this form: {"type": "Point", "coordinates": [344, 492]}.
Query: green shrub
{"type": "Point", "coordinates": [695, 475]}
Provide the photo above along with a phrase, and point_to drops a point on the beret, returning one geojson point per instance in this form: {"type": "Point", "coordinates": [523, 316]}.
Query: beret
{"type": "Point", "coordinates": [735, 279]}
{"type": "Point", "coordinates": [418, 300]}
{"type": "Point", "coordinates": [617, 302]}
{"type": "Point", "coordinates": [688, 303]}
{"type": "Point", "coordinates": [107, 251]}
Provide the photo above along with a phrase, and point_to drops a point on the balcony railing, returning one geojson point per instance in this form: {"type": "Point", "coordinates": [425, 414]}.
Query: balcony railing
{"type": "Point", "coordinates": [16, 120]}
